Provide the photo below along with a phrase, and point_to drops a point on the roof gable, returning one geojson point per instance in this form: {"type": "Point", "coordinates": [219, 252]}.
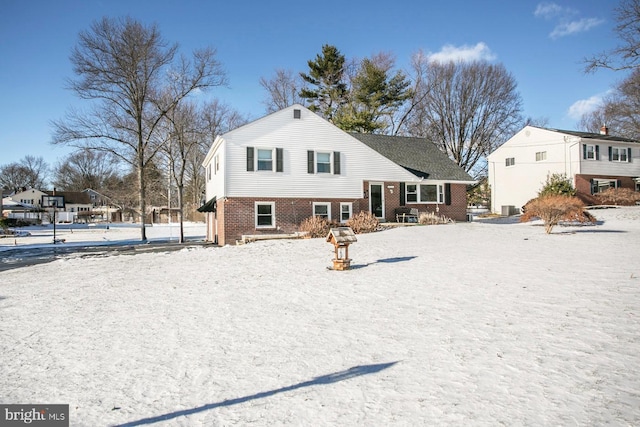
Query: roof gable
{"type": "Point", "coordinates": [417, 155]}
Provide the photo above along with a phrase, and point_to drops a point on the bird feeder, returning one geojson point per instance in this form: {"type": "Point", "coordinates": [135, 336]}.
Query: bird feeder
{"type": "Point", "coordinates": [341, 238]}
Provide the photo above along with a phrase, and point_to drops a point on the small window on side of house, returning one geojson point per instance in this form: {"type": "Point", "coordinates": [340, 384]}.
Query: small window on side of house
{"type": "Point", "coordinates": [265, 214]}
{"type": "Point", "coordinates": [322, 210]}
{"type": "Point", "coordinates": [345, 211]}
{"type": "Point", "coordinates": [510, 161]}
{"type": "Point", "coordinates": [541, 155]}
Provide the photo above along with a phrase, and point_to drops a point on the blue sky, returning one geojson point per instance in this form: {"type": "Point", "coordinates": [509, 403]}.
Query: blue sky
{"type": "Point", "coordinates": [541, 43]}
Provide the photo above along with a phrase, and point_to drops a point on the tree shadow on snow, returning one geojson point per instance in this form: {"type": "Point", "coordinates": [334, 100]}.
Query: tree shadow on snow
{"type": "Point", "coordinates": [335, 377]}
{"type": "Point", "coordinates": [384, 261]}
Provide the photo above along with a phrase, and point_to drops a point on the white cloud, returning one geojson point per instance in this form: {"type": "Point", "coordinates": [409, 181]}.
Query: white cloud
{"type": "Point", "coordinates": [584, 106]}
{"type": "Point", "coordinates": [463, 53]}
{"type": "Point", "coordinates": [549, 10]}
{"type": "Point", "coordinates": [565, 19]}
{"type": "Point", "coordinates": [568, 28]}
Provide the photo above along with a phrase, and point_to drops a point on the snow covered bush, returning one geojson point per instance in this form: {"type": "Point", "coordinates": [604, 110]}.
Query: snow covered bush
{"type": "Point", "coordinates": [557, 184]}
{"type": "Point", "coordinates": [363, 222]}
{"type": "Point", "coordinates": [552, 209]}
{"type": "Point", "coordinates": [618, 196]}
{"type": "Point", "coordinates": [430, 218]}
{"type": "Point", "coordinates": [317, 226]}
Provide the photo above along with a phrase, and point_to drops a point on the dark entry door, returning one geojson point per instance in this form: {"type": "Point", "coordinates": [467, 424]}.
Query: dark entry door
{"type": "Point", "coordinates": [377, 200]}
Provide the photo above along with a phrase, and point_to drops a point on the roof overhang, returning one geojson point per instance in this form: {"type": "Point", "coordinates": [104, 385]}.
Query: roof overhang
{"type": "Point", "coordinates": [210, 206]}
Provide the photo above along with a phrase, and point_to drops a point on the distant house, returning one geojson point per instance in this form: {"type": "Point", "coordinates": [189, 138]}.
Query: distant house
{"type": "Point", "coordinates": [593, 161]}
{"type": "Point", "coordinates": [269, 175]}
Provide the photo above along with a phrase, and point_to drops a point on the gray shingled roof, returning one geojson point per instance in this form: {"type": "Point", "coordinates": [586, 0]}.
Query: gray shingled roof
{"type": "Point", "coordinates": [417, 155]}
{"type": "Point", "coordinates": [589, 135]}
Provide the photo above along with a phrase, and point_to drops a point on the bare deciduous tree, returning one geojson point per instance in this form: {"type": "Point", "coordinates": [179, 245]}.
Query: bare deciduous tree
{"type": "Point", "coordinates": [85, 169]}
{"type": "Point", "coordinates": [619, 111]}
{"type": "Point", "coordinates": [626, 55]}
{"type": "Point", "coordinates": [29, 172]}
{"type": "Point", "coordinates": [125, 67]}
{"type": "Point", "coordinates": [467, 109]}
{"type": "Point", "coordinates": [283, 90]}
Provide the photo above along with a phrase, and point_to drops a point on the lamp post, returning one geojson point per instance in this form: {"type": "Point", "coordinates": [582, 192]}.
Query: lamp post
{"type": "Point", "coordinates": [54, 204]}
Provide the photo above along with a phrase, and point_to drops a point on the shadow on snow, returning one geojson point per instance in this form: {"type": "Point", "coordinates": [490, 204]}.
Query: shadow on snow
{"type": "Point", "coordinates": [335, 377]}
{"type": "Point", "coordinates": [384, 261]}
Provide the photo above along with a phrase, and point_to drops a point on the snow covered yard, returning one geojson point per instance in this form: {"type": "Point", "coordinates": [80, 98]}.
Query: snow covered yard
{"type": "Point", "coordinates": [482, 323]}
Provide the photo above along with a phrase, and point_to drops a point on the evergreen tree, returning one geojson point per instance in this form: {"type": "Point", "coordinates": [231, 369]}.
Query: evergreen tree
{"type": "Point", "coordinates": [328, 90]}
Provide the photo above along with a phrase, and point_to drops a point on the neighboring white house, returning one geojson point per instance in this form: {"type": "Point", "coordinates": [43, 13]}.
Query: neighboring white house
{"type": "Point", "coordinates": [269, 175]}
{"type": "Point", "coordinates": [519, 168]}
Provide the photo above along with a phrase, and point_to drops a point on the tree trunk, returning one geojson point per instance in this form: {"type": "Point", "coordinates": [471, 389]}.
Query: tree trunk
{"type": "Point", "coordinates": [180, 214]}
{"type": "Point", "coordinates": [142, 195]}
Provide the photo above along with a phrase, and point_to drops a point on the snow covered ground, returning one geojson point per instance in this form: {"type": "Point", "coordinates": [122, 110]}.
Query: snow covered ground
{"type": "Point", "coordinates": [483, 323]}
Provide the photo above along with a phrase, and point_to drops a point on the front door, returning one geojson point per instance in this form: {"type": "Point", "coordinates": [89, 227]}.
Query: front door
{"type": "Point", "coordinates": [376, 200]}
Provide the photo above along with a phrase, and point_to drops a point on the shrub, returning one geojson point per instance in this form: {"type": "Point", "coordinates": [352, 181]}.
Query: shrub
{"type": "Point", "coordinates": [430, 218]}
{"type": "Point", "coordinates": [557, 184]}
{"type": "Point", "coordinates": [363, 222]}
{"type": "Point", "coordinates": [618, 196]}
{"type": "Point", "coordinates": [316, 226]}
{"type": "Point", "coordinates": [552, 209]}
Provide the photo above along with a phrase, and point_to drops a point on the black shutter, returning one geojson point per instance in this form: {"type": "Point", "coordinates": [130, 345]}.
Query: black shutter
{"type": "Point", "coordinates": [619, 184]}
{"type": "Point", "coordinates": [610, 153]}
{"type": "Point", "coordinates": [403, 189]}
{"type": "Point", "coordinates": [310, 161]}
{"type": "Point", "coordinates": [593, 186]}
{"type": "Point", "coordinates": [597, 152]}
{"type": "Point", "coordinates": [447, 194]}
{"type": "Point", "coordinates": [629, 154]}
{"type": "Point", "coordinates": [336, 163]}
{"type": "Point", "coordinates": [249, 159]}
{"type": "Point", "coordinates": [584, 151]}
{"type": "Point", "coordinates": [279, 161]}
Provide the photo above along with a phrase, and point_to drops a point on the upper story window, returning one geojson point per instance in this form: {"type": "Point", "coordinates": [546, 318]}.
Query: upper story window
{"type": "Point", "coordinates": [510, 161]}
{"type": "Point", "coordinates": [541, 155]}
{"type": "Point", "coordinates": [323, 162]}
{"type": "Point", "coordinates": [216, 163]}
{"type": "Point", "coordinates": [619, 154]}
{"type": "Point", "coordinates": [265, 159]}
{"type": "Point", "coordinates": [590, 152]}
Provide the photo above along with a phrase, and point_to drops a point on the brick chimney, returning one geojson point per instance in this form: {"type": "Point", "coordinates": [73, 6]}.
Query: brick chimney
{"type": "Point", "coordinates": [604, 130]}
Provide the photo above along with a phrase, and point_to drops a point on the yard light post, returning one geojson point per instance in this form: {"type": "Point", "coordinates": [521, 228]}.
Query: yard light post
{"type": "Point", "coordinates": [54, 204]}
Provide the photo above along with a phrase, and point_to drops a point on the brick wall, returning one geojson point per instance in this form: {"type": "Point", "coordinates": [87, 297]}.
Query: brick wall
{"type": "Point", "coordinates": [583, 185]}
{"type": "Point", "coordinates": [236, 216]}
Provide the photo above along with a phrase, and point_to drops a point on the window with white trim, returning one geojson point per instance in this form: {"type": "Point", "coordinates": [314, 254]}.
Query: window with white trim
{"type": "Point", "coordinates": [345, 211]}
{"type": "Point", "coordinates": [541, 155]}
{"type": "Point", "coordinates": [424, 193]}
{"type": "Point", "coordinates": [322, 209]}
{"type": "Point", "coordinates": [265, 159]}
{"type": "Point", "coordinates": [265, 214]}
{"type": "Point", "coordinates": [590, 152]}
{"type": "Point", "coordinates": [510, 161]}
{"type": "Point", "coordinates": [216, 162]}
{"type": "Point", "coordinates": [323, 162]}
{"type": "Point", "coordinates": [618, 154]}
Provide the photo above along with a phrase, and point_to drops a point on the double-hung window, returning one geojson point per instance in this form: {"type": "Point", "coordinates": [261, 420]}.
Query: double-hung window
{"type": "Point", "coordinates": [265, 214]}
{"type": "Point", "coordinates": [412, 193]}
{"type": "Point", "coordinates": [510, 161]}
{"type": "Point", "coordinates": [265, 159]}
{"type": "Point", "coordinates": [322, 210]}
{"type": "Point", "coordinates": [345, 211]}
{"type": "Point", "coordinates": [541, 155]}
{"type": "Point", "coordinates": [323, 162]}
{"type": "Point", "coordinates": [619, 154]}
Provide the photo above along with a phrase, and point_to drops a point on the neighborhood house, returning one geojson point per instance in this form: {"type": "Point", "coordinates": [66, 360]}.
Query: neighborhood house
{"type": "Point", "coordinates": [268, 176]}
{"type": "Point", "coordinates": [592, 161]}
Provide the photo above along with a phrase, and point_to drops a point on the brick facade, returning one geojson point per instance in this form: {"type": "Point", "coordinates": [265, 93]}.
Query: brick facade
{"type": "Point", "coordinates": [236, 216]}
{"type": "Point", "coordinates": [583, 185]}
